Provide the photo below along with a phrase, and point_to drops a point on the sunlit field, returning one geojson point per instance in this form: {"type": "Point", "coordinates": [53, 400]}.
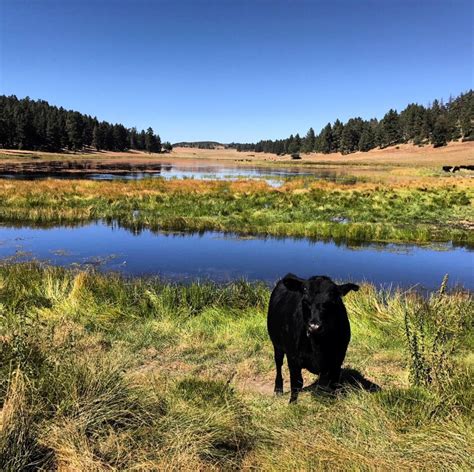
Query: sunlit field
{"type": "Point", "coordinates": [100, 372]}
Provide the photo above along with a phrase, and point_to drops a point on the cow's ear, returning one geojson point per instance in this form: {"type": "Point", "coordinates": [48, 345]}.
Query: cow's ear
{"type": "Point", "coordinates": [346, 288]}
{"type": "Point", "coordinates": [293, 283]}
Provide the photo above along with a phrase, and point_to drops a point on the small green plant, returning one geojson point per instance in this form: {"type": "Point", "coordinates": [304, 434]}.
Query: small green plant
{"type": "Point", "coordinates": [433, 328]}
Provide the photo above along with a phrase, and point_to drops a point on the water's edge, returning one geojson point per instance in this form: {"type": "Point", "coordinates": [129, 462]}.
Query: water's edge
{"type": "Point", "coordinates": [223, 257]}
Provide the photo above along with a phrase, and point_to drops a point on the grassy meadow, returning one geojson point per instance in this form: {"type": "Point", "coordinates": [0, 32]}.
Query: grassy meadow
{"type": "Point", "coordinates": [402, 155]}
{"type": "Point", "coordinates": [99, 372]}
{"type": "Point", "coordinates": [423, 210]}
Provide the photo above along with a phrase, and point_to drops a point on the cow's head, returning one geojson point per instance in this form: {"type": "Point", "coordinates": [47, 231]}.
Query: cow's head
{"type": "Point", "coordinates": [321, 300]}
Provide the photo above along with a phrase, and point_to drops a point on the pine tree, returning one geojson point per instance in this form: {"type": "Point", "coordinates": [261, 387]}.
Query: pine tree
{"type": "Point", "coordinates": [411, 120]}
{"type": "Point", "coordinates": [293, 145]}
{"type": "Point", "coordinates": [142, 140]}
{"type": "Point", "coordinates": [24, 132]}
{"type": "Point", "coordinates": [4, 138]}
{"type": "Point", "coordinates": [120, 138]}
{"type": "Point", "coordinates": [453, 118]}
{"type": "Point", "coordinates": [290, 147]}
{"type": "Point", "coordinates": [367, 139]}
{"type": "Point", "coordinates": [133, 138]}
{"type": "Point", "coordinates": [378, 135]}
{"type": "Point", "coordinates": [309, 141]}
{"type": "Point", "coordinates": [436, 110]}
{"type": "Point", "coordinates": [53, 134]}
{"type": "Point", "coordinates": [466, 125]}
{"type": "Point", "coordinates": [109, 142]}
{"type": "Point", "coordinates": [426, 126]}
{"type": "Point", "coordinates": [74, 130]}
{"type": "Point", "coordinates": [298, 142]}
{"type": "Point", "coordinates": [391, 128]}
{"type": "Point", "coordinates": [98, 137]}
{"type": "Point", "coordinates": [337, 130]}
{"type": "Point", "coordinates": [351, 135]}
{"type": "Point", "coordinates": [417, 131]}
{"type": "Point", "coordinates": [157, 143]}
{"type": "Point", "coordinates": [325, 140]}
{"type": "Point", "coordinates": [347, 139]}
{"type": "Point", "coordinates": [87, 131]}
{"type": "Point", "coordinates": [150, 141]}
{"type": "Point", "coordinates": [440, 132]}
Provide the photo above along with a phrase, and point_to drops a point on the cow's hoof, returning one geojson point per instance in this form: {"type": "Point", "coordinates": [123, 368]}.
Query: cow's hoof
{"type": "Point", "coordinates": [278, 391]}
{"type": "Point", "coordinates": [326, 390]}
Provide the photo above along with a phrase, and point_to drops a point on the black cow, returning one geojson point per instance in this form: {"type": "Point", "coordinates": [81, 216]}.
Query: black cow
{"type": "Point", "coordinates": [307, 321]}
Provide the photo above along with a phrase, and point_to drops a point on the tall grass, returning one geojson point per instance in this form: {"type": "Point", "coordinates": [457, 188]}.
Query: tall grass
{"type": "Point", "coordinates": [100, 372]}
{"type": "Point", "coordinates": [435, 330]}
{"type": "Point", "coordinates": [363, 212]}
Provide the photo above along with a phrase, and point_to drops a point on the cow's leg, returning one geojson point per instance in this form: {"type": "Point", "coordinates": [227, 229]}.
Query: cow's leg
{"type": "Point", "coordinates": [279, 355]}
{"type": "Point", "coordinates": [325, 381]}
{"type": "Point", "coordinates": [329, 378]}
{"type": "Point", "coordinates": [296, 379]}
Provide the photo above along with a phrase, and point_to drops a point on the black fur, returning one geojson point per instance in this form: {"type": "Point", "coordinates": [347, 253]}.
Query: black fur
{"type": "Point", "coordinates": [307, 321]}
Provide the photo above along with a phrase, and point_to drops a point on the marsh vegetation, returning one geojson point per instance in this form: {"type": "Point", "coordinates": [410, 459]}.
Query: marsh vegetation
{"type": "Point", "coordinates": [436, 210]}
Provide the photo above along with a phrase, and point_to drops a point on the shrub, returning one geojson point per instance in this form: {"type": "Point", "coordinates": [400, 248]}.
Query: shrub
{"type": "Point", "coordinates": [434, 327]}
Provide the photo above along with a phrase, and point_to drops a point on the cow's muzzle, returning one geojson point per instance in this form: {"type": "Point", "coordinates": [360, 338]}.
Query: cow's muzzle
{"type": "Point", "coordinates": [313, 328]}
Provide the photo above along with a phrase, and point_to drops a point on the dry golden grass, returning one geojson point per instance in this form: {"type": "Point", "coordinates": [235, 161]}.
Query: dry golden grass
{"type": "Point", "coordinates": [406, 164]}
{"type": "Point", "coordinates": [455, 153]}
{"type": "Point", "coordinates": [112, 189]}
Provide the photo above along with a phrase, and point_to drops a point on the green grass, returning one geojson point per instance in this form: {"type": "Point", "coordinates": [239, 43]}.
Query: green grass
{"type": "Point", "coordinates": [368, 212]}
{"type": "Point", "coordinates": [100, 372]}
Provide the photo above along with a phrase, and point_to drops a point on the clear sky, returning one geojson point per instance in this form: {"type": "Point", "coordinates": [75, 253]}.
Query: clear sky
{"type": "Point", "coordinates": [235, 70]}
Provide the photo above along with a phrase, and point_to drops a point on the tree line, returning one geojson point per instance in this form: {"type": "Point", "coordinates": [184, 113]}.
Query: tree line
{"type": "Point", "coordinates": [199, 144]}
{"type": "Point", "coordinates": [37, 125]}
{"type": "Point", "coordinates": [436, 124]}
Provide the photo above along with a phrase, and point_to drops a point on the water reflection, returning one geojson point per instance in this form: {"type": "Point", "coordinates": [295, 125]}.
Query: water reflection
{"type": "Point", "coordinates": [272, 175]}
{"type": "Point", "coordinates": [223, 257]}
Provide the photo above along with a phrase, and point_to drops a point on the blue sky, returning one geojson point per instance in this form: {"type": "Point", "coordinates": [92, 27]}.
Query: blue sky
{"type": "Point", "coordinates": [235, 70]}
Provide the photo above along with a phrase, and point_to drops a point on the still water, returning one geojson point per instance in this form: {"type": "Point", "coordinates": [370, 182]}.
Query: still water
{"type": "Point", "coordinates": [223, 257]}
{"type": "Point", "coordinates": [272, 175]}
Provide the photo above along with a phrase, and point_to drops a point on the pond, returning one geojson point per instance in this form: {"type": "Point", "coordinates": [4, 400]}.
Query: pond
{"type": "Point", "coordinates": [272, 175]}
{"type": "Point", "coordinates": [223, 257]}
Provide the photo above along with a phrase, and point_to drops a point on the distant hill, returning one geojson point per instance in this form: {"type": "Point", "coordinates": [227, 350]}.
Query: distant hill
{"type": "Point", "coordinates": [200, 144]}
